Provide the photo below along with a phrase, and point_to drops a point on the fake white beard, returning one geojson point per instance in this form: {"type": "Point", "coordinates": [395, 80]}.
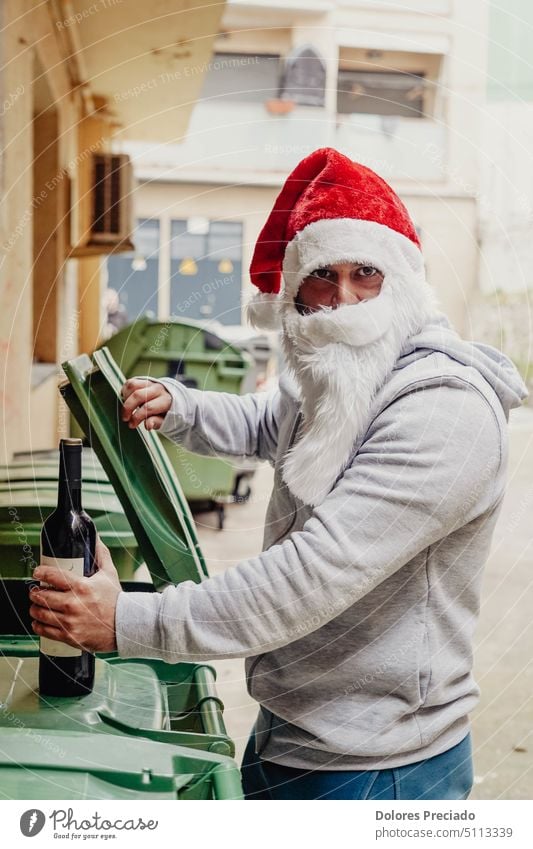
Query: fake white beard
{"type": "Point", "coordinates": [340, 359]}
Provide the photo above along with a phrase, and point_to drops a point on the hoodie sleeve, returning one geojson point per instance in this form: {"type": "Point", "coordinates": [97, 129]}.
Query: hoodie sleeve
{"type": "Point", "coordinates": [432, 462]}
{"type": "Point", "coordinates": [220, 423]}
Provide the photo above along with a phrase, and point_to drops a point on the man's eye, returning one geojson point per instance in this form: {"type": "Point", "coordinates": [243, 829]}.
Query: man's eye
{"type": "Point", "coordinates": [322, 273]}
{"type": "Point", "coordinates": [368, 271]}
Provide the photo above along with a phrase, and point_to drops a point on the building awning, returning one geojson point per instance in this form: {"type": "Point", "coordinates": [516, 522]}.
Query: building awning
{"type": "Point", "coordinates": [143, 62]}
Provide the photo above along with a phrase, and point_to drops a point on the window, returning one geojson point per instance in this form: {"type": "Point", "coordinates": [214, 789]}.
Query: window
{"type": "Point", "coordinates": [134, 277]}
{"type": "Point", "coordinates": [381, 93]}
{"type": "Point", "coordinates": [304, 77]}
{"type": "Point", "coordinates": [206, 269]}
{"type": "Point", "coordinates": [244, 77]}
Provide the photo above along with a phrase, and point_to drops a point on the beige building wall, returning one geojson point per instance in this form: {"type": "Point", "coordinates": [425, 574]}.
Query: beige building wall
{"type": "Point", "coordinates": [31, 292]}
{"type": "Point", "coordinates": [39, 309]}
{"type": "Point", "coordinates": [15, 236]}
{"type": "Point", "coordinates": [450, 247]}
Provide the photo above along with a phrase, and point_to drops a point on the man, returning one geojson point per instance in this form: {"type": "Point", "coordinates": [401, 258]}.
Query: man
{"type": "Point", "coordinates": [388, 440]}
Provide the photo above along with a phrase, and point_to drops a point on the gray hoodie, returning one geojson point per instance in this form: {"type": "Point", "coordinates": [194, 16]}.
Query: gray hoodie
{"type": "Point", "coordinates": [357, 619]}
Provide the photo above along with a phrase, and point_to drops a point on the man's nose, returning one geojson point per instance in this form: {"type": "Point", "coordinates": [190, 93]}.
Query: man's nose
{"type": "Point", "coordinates": [344, 292]}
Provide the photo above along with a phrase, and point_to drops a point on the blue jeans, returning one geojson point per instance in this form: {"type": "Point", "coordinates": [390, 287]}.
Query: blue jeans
{"type": "Point", "coordinates": [445, 776]}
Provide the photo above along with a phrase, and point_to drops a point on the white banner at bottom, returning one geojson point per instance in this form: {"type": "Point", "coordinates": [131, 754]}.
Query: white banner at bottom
{"type": "Point", "coordinates": [357, 824]}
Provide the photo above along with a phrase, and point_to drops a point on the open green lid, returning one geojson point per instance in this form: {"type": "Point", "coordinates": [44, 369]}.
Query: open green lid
{"type": "Point", "coordinates": [138, 468]}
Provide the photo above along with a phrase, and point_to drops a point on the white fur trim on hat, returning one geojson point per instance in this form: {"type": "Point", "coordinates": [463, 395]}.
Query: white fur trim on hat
{"type": "Point", "coordinates": [329, 241]}
{"type": "Point", "coordinates": [334, 240]}
{"type": "Point", "coordinates": [262, 311]}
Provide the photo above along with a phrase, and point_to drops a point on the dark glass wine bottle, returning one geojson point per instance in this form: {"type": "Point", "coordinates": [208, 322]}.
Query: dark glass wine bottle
{"type": "Point", "coordinates": [68, 540]}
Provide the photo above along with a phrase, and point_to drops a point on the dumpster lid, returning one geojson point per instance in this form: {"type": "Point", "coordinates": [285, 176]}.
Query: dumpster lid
{"type": "Point", "coordinates": [138, 468]}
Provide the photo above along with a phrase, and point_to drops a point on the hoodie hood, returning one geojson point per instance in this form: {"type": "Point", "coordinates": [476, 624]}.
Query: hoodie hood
{"type": "Point", "coordinates": [495, 367]}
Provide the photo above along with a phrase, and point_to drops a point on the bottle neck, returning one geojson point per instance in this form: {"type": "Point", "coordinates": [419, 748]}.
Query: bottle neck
{"type": "Point", "coordinates": [69, 485]}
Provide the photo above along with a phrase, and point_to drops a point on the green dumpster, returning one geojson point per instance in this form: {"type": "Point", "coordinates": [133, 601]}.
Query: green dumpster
{"type": "Point", "coordinates": [90, 769]}
{"type": "Point", "coordinates": [182, 349]}
{"type": "Point", "coordinates": [43, 465]}
{"type": "Point", "coordinates": [24, 504]}
{"type": "Point", "coordinates": [148, 729]}
{"type": "Point", "coordinates": [168, 703]}
{"type": "Point", "coordinates": [138, 469]}
{"type": "Point", "coordinates": [200, 359]}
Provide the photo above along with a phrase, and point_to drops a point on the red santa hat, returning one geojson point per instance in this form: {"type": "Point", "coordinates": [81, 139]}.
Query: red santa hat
{"type": "Point", "coordinates": [329, 210]}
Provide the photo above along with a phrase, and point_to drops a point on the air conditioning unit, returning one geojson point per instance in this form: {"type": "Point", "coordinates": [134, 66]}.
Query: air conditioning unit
{"type": "Point", "coordinates": [104, 216]}
{"type": "Point", "coordinates": [112, 220]}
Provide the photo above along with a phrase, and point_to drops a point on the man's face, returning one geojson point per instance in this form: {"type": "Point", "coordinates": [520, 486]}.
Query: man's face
{"type": "Point", "coordinates": [338, 285]}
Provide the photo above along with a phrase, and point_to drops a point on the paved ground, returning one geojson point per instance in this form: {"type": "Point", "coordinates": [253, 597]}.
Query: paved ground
{"type": "Point", "coordinates": [503, 721]}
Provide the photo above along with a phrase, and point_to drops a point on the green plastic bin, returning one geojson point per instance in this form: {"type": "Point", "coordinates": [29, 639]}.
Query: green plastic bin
{"type": "Point", "coordinates": [138, 469]}
{"type": "Point", "coordinates": [44, 465]}
{"type": "Point", "coordinates": [76, 765]}
{"type": "Point", "coordinates": [24, 504]}
{"type": "Point", "coordinates": [148, 729]}
{"type": "Point", "coordinates": [182, 349]}
{"type": "Point", "coordinates": [200, 359]}
{"type": "Point", "coordinates": [167, 703]}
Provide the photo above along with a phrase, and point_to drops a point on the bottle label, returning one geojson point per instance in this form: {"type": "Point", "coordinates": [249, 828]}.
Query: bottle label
{"type": "Point", "coordinates": [54, 648]}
